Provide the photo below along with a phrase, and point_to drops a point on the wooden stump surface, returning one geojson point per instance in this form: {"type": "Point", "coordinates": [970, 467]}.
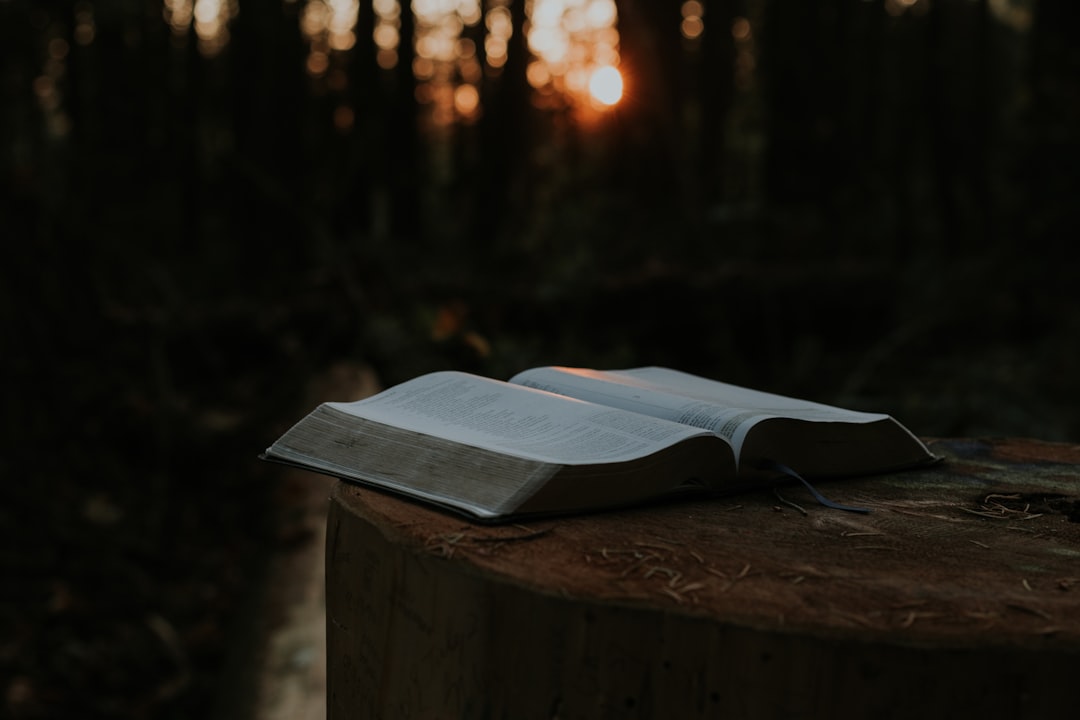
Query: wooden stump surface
{"type": "Point", "coordinates": [975, 560]}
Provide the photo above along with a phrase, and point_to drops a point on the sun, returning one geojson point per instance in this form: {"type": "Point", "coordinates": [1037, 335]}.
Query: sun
{"type": "Point", "coordinates": [606, 85]}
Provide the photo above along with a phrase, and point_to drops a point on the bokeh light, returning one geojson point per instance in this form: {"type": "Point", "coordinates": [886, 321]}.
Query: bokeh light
{"type": "Point", "coordinates": [606, 85]}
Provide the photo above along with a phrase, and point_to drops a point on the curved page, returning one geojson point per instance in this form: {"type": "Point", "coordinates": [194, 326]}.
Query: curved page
{"type": "Point", "coordinates": [529, 423]}
{"type": "Point", "coordinates": [727, 410]}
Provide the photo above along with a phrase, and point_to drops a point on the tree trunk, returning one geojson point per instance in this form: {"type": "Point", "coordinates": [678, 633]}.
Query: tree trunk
{"type": "Point", "coordinates": [955, 597]}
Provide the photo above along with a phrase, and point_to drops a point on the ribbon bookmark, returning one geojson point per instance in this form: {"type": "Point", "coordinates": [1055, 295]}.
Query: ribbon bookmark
{"type": "Point", "coordinates": [773, 465]}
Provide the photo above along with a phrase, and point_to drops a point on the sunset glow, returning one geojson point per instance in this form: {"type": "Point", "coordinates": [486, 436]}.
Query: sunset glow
{"type": "Point", "coordinates": [211, 24]}
{"type": "Point", "coordinates": [575, 44]}
{"type": "Point", "coordinates": [692, 25]}
{"type": "Point", "coordinates": [606, 85]}
{"type": "Point", "coordinates": [573, 48]}
{"type": "Point", "coordinates": [447, 66]}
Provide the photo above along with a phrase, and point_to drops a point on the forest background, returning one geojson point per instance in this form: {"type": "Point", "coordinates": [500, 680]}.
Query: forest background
{"type": "Point", "coordinates": [206, 205]}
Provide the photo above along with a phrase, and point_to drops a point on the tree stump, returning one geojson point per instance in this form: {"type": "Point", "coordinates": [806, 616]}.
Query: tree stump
{"type": "Point", "coordinates": [958, 595]}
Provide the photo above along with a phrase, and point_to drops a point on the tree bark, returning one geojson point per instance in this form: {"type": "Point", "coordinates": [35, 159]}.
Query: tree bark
{"type": "Point", "coordinates": [954, 597]}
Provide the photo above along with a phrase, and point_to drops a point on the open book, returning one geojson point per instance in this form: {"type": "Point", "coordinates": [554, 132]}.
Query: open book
{"type": "Point", "coordinates": [555, 439]}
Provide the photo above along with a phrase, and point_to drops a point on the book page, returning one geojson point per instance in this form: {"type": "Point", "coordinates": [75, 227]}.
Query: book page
{"type": "Point", "coordinates": [727, 410]}
{"type": "Point", "coordinates": [526, 422]}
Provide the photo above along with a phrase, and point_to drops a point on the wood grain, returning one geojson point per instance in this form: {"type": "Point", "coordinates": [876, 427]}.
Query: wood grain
{"type": "Point", "coordinates": [958, 593]}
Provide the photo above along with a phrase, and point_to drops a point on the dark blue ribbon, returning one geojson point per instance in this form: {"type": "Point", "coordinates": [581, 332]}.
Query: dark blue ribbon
{"type": "Point", "coordinates": [772, 464]}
